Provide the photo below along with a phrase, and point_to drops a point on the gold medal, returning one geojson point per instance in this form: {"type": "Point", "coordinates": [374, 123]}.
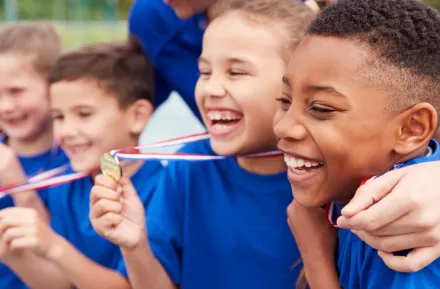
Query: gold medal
{"type": "Point", "coordinates": [110, 167]}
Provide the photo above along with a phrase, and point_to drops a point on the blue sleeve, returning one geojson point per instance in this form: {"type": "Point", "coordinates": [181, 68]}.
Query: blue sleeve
{"type": "Point", "coordinates": [165, 221]}
{"type": "Point", "coordinates": [374, 274]}
{"type": "Point", "coordinates": [174, 58]}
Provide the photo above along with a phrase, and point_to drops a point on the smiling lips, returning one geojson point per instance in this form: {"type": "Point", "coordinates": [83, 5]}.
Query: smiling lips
{"type": "Point", "coordinates": [301, 169]}
{"type": "Point", "coordinates": [223, 121]}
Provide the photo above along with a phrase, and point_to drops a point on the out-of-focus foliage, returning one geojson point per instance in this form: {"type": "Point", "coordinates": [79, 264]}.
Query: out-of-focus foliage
{"type": "Point", "coordinates": [67, 9]}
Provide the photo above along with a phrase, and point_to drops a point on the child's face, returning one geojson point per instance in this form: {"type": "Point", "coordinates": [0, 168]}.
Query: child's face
{"type": "Point", "coordinates": [188, 8]}
{"type": "Point", "coordinates": [88, 122]}
{"type": "Point", "coordinates": [332, 123]}
{"type": "Point", "coordinates": [240, 68]}
{"type": "Point", "coordinates": [24, 104]}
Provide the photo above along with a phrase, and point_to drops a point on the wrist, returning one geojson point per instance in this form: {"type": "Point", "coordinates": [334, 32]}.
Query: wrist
{"type": "Point", "coordinates": [57, 250]}
{"type": "Point", "coordinates": [141, 246]}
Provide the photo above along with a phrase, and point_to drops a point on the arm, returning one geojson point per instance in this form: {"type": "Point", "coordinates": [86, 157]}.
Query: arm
{"type": "Point", "coordinates": [22, 230]}
{"type": "Point", "coordinates": [11, 173]}
{"type": "Point", "coordinates": [144, 269]}
{"type": "Point", "coordinates": [83, 272]}
{"type": "Point", "coordinates": [30, 268]}
{"type": "Point", "coordinates": [126, 228]}
{"type": "Point", "coordinates": [405, 215]}
{"type": "Point", "coordinates": [316, 241]}
{"type": "Point", "coordinates": [159, 30]}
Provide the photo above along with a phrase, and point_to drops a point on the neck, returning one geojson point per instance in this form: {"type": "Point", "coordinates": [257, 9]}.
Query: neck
{"type": "Point", "coordinates": [401, 159]}
{"type": "Point", "coordinates": [263, 166]}
{"type": "Point", "coordinates": [33, 146]}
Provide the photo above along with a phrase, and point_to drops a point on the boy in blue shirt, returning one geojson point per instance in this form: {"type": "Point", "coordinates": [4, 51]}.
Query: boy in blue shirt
{"type": "Point", "coordinates": [366, 106]}
{"type": "Point", "coordinates": [220, 224]}
{"type": "Point", "coordinates": [100, 100]}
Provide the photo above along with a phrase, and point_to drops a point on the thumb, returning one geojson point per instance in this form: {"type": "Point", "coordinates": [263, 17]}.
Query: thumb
{"type": "Point", "coordinates": [127, 187]}
{"type": "Point", "coordinates": [372, 192]}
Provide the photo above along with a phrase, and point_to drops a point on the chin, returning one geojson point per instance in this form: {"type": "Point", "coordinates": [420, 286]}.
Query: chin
{"type": "Point", "coordinates": [306, 199]}
{"type": "Point", "coordinates": [223, 149]}
{"type": "Point", "coordinates": [81, 166]}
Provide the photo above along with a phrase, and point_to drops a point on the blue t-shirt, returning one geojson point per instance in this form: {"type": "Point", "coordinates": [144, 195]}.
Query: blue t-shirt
{"type": "Point", "coordinates": [361, 267]}
{"type": "Point", "coordinates": [214, 225]}
{"type": "Point", "coordinates": [172, 44]}
{"type": "Point", "coordinates": [50, 159]}
{"type": "Point", "coordinates": [69, 208]}
{"type": "Point", "coordinates": [32, 165]}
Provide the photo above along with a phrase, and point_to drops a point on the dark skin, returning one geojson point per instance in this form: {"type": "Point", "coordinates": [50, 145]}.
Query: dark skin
{"type": "Point", "coordinates": [323, 112]}
{"type": "Point", "coordinates": [330, 115]}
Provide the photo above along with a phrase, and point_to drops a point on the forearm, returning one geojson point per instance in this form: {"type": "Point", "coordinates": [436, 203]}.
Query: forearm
{"type": "Point", "coordinates": [144, 270]}
{"type": "Point", "coordinates": [36, 272]}
{"type": "Point", "coordinates": [84, 273]}
{"type": "Point", "coordinates": [321, 272]}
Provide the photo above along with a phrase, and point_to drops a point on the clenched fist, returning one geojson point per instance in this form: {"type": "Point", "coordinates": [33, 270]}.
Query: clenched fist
{"type": "Point", "coordinates": [116, 211]}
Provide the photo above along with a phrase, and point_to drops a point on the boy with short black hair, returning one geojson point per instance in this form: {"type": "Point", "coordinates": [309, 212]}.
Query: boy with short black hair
{"type": "Point", "coordinates": [101, 99]}
{"type": "Point", "coordinates": [366, 106]}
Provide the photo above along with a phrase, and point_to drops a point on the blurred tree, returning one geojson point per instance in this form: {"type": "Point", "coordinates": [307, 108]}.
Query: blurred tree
{"type": "Point", "coordinates": [67, 9]}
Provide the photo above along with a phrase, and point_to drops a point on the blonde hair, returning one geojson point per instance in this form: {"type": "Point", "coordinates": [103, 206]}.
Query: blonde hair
{"type": "Point", "coordinates": [292, 15]}
{"type": "Point", "coordinates": [37, 40]}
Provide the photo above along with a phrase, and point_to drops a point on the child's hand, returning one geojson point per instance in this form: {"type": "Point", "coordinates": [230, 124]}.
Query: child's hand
{"type": "Point", "coordinates": [22, 229]}
{"type": "Point", "coordinates": [116, 212]}
{"type": "Point", "coordinates": [11, 172]}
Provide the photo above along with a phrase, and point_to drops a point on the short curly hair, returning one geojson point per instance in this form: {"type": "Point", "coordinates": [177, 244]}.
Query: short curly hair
{"type": "Point", "coordinates": [404, 39]}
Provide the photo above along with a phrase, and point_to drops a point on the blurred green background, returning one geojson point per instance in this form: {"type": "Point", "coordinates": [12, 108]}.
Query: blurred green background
{"type": "Point", "coordinates": [81, 21]}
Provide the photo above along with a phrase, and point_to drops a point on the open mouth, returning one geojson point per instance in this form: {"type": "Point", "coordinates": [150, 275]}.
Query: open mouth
{"type": "Point", "coordinates": [301, 169]}
{"type": "Point", "coordinates": [223, 121]}
{"type": "Point", "coordinates": [76, 150]}
{"type": "Point", "coordinates": [15, 121]}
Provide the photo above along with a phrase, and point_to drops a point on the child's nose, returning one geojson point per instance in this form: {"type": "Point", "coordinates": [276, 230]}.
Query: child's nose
{"type": "Point", "coordinates": [7, 104]}
{"type": "Point", "coordinates": [289, 127]}
{"type": "Point", "coordinates": [67, 129]}
{"type": "Point", "coordinates": [214, 87]}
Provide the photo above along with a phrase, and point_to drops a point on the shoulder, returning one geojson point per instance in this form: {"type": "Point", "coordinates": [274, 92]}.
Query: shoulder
{"type": "Point", "coordinates": [370, 272]}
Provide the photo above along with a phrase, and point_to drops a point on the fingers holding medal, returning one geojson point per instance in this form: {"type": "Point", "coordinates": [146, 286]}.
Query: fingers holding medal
{"type": "Point", "coordinates": [110, 167]}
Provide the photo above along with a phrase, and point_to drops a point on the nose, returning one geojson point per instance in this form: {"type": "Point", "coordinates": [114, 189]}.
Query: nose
{"type": "Point", "coordinates": [65, 128]}
{"type": "Point", "coordinates": [213, 86]}
{"type": "Point", "coordinates": [289, 126]}
{"type": "Point", "coordinates": [7, 104]}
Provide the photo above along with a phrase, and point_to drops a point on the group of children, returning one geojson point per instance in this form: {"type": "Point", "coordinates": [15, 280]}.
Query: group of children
{"type": "Point", "coordinates": [350, 77]}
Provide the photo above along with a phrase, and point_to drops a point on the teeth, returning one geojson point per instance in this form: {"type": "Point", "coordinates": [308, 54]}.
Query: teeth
{"type": "Point", "coordinates": [222, 115]}
{"type": "Point", "coordinates": [295, 163]}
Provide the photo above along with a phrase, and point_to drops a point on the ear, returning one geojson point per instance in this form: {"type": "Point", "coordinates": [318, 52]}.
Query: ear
{"type": "Point", "coordinates": [138, 116]}
{"type": "Point", "coordinates": [417, 127]}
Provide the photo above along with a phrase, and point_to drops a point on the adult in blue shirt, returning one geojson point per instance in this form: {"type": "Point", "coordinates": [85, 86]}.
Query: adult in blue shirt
{"type": "Point", "coordinates": [172, 39]}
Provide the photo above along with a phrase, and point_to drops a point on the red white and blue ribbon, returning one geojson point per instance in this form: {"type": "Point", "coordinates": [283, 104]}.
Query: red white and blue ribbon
{"type": "Point", "coordinates": [126, 155]}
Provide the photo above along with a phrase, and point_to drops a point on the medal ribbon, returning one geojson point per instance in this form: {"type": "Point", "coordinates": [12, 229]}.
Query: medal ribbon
{"type": "Point", "coordinates": [50, 179]}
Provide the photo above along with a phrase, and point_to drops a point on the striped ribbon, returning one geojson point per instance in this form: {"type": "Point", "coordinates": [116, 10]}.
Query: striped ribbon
{"type": "Point", "coordinates": [127, 155]}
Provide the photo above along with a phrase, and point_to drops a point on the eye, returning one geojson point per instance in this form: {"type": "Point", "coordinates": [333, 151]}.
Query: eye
{"type": "Point", "coordinates": [284, 102]}
{"type": "Point", "coordinates": [57, 117]}
{"type": "Point", "coordinates": [85, 114]}
{"type": "Point", "coordinates": [236, 73]}
{"type": "Point", "coordinates": [16, 91]}
{"type": "Point", "coordinates": [321, 111]}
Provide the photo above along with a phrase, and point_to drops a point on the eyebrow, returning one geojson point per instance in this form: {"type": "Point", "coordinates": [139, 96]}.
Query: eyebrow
{"type": "Point", "coordinates": [229, 60]}
{"type": "Point", "coordinates": [285, 80]}
{"type": "Point", "coordinates": [327, 89]}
